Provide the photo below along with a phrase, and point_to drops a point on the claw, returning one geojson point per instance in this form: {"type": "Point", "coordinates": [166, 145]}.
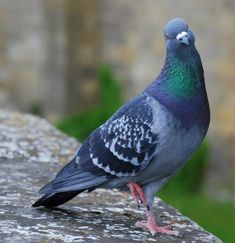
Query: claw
{"type": "Point", "coordinates": [167, 227]}
{"type": "Point", "coordinates": [153, 232]}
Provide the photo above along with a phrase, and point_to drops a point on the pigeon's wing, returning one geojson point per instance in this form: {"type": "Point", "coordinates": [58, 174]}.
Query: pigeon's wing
{"type": "Point", "coordinates": [124, 145]}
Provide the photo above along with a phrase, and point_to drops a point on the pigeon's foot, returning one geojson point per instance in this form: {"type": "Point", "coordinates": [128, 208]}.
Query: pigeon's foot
{"type": "Point", "coordinates": [153, 228]}
{"type": "Point", "coordinates": [151, 225]}
{"type": "Point", "coordinates": [137, 193]}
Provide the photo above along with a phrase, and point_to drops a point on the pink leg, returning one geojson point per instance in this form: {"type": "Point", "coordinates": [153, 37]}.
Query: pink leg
{"type": "Point", "coordinates": [141, 194]}
{"type": "Point", "coordinates": [151, 225]}
{"type": "Point", "coordinates": [134, 193]}
{"type": "Point", "coordinates": [137, 193]}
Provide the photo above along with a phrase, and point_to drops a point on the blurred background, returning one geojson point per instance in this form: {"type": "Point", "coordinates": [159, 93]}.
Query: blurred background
{"type": "Point", "coordinates": [75, 62]}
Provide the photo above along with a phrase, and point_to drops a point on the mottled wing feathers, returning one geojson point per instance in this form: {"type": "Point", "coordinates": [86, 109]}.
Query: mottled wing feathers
{"type": "Point", "coordinates": [125, 144]}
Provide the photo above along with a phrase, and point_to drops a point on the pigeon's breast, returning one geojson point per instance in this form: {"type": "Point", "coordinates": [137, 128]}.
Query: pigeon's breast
{"type": "Point", "coordinates": [177, 143]}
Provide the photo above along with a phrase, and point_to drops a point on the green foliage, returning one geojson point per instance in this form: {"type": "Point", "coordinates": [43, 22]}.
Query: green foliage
{"type": "Point", "coordinates": [35, 108]}
{"type": "Point", "coordinates": [81, 124]}
{"type": "Point", "coordinates": [110, 91]}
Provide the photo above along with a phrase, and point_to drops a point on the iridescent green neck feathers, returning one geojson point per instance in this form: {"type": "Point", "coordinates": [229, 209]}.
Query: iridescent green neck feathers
{"type": "Point", "coordinates": [180, 87]}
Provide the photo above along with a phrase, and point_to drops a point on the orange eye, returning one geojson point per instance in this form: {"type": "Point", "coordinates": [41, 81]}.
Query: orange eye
{"type": "Point", "coordinates": [167, 37]}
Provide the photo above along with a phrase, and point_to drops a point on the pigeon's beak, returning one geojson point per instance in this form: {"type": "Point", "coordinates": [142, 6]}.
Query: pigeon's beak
{"type": "Point", "coordinates": [185, 40]}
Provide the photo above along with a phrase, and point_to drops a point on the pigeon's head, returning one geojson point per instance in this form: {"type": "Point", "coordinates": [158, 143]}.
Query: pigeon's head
{"type": "Point", "coordinates": [178, 36]}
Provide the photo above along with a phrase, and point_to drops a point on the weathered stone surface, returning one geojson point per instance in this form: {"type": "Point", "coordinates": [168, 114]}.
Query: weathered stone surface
{"type": "Point", "coordinates": [31, 152]}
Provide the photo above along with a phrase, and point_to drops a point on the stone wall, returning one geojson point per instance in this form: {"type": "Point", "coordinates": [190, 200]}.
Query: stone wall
{"type": "Point", "coordinates": [83, 53]}
{"type": "Point", "coordinates": [32, 56]}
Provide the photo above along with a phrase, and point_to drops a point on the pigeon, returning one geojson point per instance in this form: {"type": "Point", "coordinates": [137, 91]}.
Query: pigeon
{"type": "Point", "coordinates": [148, 139]}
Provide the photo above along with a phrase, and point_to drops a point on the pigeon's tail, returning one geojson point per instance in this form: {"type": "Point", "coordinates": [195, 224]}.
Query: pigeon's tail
{"type": "Point", "coordinates": [69, 182]}
{"type": "Point", "coordinates": [55, 199]}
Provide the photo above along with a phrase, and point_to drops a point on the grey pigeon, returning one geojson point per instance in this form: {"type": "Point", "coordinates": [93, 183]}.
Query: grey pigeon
{"type": "Point", "coordinates": [148, 139]}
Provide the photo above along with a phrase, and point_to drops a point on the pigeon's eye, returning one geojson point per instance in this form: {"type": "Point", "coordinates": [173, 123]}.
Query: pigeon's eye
{"type": "Point", "coordinates": [167, 37]}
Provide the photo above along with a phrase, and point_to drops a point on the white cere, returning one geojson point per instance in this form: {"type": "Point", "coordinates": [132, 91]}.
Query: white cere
{"type": "Point", "coordinates": [181, 35]}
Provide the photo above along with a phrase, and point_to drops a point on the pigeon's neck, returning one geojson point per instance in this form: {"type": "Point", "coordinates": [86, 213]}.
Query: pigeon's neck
{"type": "Point", "coordinates": [180, 87]}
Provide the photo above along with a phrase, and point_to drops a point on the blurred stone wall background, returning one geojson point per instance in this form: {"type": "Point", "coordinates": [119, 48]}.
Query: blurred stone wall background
{"type": "Point", "coordinates": [50, 51]}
